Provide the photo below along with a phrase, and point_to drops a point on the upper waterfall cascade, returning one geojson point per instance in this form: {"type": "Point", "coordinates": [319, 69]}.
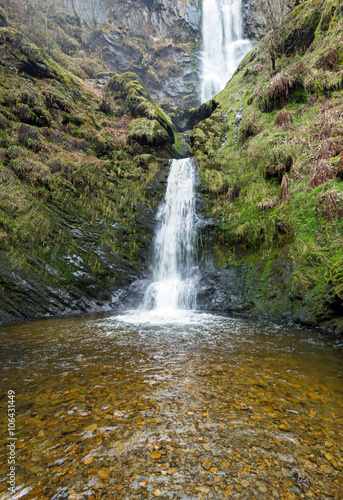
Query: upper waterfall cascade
{"type": "Point", "coordinates": [174, 263]}
{"type": "Point", "coordinates": [223, 44]}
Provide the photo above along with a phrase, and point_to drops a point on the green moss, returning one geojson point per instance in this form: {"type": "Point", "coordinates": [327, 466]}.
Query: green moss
{"type": "Point", "coordinates": [128, 87]}
{"type": "Point", "coordinates": [289, 247]}
{"type": "Point", "coordinates": [148, 133]}
{"type": "Point", "coordinates": [73, 192]}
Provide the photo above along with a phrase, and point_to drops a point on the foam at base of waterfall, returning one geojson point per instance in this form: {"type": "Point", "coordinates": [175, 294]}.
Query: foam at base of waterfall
{"type": "Point", "coordinates": [164, 317]}
{"type": "Point", "coordinates": [171, 294]}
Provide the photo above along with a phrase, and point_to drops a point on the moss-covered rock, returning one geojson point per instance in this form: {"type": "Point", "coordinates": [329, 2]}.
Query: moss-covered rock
{"type": "Point", "coordinates": [298, 37]}
{"type": "Point", "coordinates": [138, 101]}
{"type": "Point", "coordinates": [187, 119]}
{"type": "Point", "coordinates": [148, 132]}
{"type": "Point", "coordinates": [76, 196]}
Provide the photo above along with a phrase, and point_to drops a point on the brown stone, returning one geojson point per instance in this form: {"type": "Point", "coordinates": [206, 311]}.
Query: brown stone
{"type": "Point", "coordinates": [103, 473]}
{"type": "Point", "coordinates": [206, 462]}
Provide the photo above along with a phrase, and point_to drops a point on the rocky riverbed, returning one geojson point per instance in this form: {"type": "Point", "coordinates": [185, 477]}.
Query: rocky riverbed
{"type": "Point", "coordinates": [199, 407]}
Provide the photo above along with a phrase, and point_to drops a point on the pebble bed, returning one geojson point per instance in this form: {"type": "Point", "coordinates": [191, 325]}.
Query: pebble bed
{"type": "Point", "coordinates": [222, 408]}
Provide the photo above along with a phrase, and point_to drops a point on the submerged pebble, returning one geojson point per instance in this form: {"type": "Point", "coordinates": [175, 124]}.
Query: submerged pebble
{"type": "Point", "coordinates": [233, 411]}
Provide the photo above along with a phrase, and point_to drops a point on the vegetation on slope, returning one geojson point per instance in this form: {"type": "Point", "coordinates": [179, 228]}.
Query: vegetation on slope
{"type": "Point", "coordinates": [76, 192]}
{"type": "Point", "coordinates": [91, 49]}
{"type": "Point", "coordinates": [274, 184]}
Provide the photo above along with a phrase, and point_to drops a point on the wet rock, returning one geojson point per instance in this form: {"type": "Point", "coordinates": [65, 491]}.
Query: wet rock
{"type": "Point", "coordinates": [187, 119]}
{"type": "Point", "coordinates": [206, 462]}
{"type": "Point", "coordinates": [301, 479]}
{"type": "Point", "coordinates": [103, 473]}
{"type": "Point", "coordinates": [169, 30]}
{"type": "Point", "coordinates": [258, 19]}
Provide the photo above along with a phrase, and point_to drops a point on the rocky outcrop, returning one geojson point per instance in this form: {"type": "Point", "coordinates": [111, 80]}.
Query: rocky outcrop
{"type": "Point", "coordinates": [174, 20]}
{"type": "Point", "coordinates": [77, 193]}
{"type": "Point", "coordinates": [261, 17]}
{"type": "Point", "coordinates": [157, 39]}
{"type": "Point", "coordinates": [160, 40]}
{"type": "Point", "coordinates": [168, 70]}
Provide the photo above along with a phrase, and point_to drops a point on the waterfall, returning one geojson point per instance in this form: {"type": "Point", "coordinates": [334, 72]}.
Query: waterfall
{"type": "Point", "coordinates": [174, 265]}
{"type": "Point", "coordinates": [223, 44]}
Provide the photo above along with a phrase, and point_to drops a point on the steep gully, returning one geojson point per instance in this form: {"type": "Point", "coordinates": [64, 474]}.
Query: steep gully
{"type": "Point", "coordinates": [175, 270]}
{"type": "Point", "coordinates": [180, 405]}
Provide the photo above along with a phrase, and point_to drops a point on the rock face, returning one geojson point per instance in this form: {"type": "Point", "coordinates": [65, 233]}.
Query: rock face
{"type": "Point", "coordinates": [160, 40]}
{"type": "Point", "coordinates": [175, 20]}
{"type": "Point", "coordinates": [80, 231]}
{"type": "Point", "coordinates": [269, 221]}
{"type": "Point", "coordinates": [157, 39]}
{"type": "Point", "coordinates": [261, 17]}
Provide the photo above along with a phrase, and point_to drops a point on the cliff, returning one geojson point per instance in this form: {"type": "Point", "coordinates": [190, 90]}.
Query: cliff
{"type": "Point", "coordinates": [159, 40]}
{"type": "Point", "coordinates": [261, 17]}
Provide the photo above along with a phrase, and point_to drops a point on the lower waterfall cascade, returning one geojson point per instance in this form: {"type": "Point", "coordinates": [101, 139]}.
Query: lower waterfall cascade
{"type": "Point", "coordinates": [223, 44]}
{"type": "Point", "coordinates": [174, 267]}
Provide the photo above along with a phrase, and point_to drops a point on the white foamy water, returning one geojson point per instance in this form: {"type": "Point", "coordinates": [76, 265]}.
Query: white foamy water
{"type": "Point", "coordinates": [174, 265]}
{"type": "Point", "coordinates": [223, 44]}
{"type": "Point", "coordinates": [167, 318]}
{"type": "Point", "coordinates": [171, 296]}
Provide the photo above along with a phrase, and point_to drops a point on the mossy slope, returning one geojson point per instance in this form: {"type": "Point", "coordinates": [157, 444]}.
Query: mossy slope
{"type": "Point", "coordinates": [273, 184]}
{"type": "Point", "coordinates": [77, 194]}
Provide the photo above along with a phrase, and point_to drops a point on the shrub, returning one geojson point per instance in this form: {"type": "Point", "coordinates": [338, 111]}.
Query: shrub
{"type": "Point", "coordinates": [265, 205]}
{"type": "Point", "coordinates": [249, 126]}
{"type": "Point", "coordinates": [331, 205]}
{"type": "Point", "coordinates": [279, 166]}
{"type": "Point", "coordinates": [329, 60]}
{"type": "Point", "coordinates": [3, 122]}
{"type": "Point", "coordinates": [31, 171]}
{"type": "Point", "coordinates": [28, 136]}
{"type": "Point", "coordinates": [58, 101]}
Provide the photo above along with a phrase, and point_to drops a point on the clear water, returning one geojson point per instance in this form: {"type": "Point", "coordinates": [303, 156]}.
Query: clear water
{"type": "Point", "coordinates": [223, 44]}
{"type": "Point", "coordinates": [174, 267]}
{"type": "Point", "coordinates": [237, 407]}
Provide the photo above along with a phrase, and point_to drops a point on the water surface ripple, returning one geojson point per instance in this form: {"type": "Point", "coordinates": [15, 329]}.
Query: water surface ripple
{"type": "Point", "coordinates": [195, 406]}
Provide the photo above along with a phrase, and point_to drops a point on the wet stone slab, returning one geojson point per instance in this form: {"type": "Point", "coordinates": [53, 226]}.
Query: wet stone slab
{"type": "Point", "coordinates": [218, 408]}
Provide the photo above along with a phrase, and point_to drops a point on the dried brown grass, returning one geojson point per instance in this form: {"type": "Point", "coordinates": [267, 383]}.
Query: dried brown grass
{"type": "Point", "coordinates": [329, 148]}
{"type": "Point", "coordinates": [329, 60]}
{"type": "Point", "coordinates": [282, 118]}
{"type": "Point", "coordinates": [330, 123]}
{"type": "Point", "coordinates": [255, 94]}
{"type": "Point", "coordinates": [279, 89]}
{"type": "Point", "coordinates": [331, 205]}
{"type": "Point", "coordinates": [285, 195]}
{"type": "Point", "coordinates": [265, 205]}
{"type": "Point", "coordinates": [321, 173]}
